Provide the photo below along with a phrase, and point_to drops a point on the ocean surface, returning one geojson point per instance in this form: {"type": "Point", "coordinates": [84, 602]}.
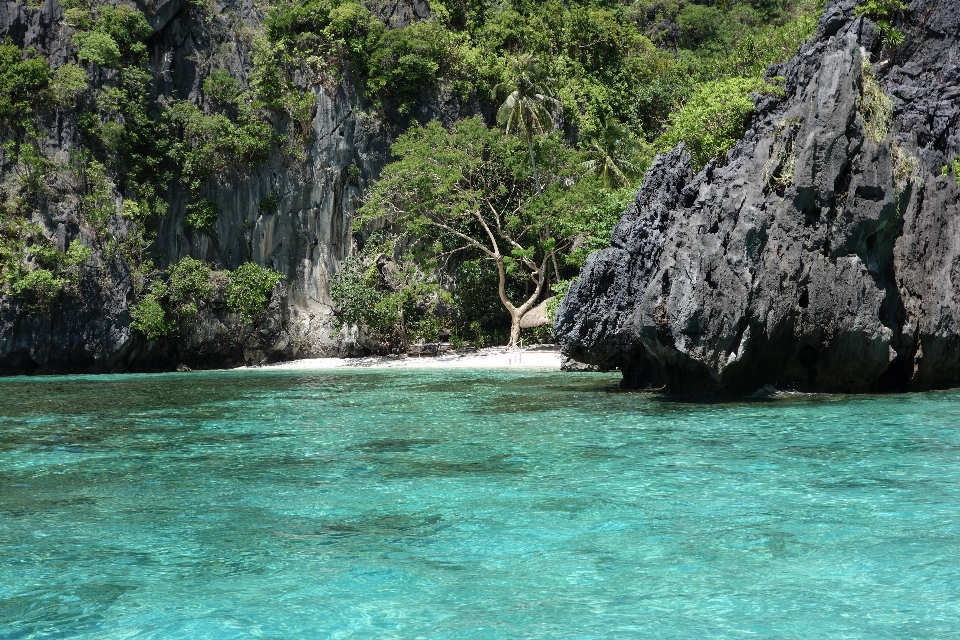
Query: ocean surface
{"type": "Point", "coordinates": [470, 504]}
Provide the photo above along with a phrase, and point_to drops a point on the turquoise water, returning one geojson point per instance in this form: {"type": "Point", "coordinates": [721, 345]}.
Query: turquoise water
{"type": "Point", "coordinates": [463, 504]}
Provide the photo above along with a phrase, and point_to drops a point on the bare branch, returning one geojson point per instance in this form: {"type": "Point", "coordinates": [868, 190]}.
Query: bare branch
{"type": "Point", "coordinates": [462, 236]}
{"type": "Point", "coordinates": [493, 240]}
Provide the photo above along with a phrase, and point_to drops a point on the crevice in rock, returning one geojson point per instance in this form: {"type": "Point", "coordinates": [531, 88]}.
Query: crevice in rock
{"type": "Point", "coordinates": [738, 338]}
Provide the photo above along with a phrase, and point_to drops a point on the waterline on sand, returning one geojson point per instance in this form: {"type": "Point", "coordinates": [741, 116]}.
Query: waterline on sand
{"type": "Point", "coordinates": [534, 357]}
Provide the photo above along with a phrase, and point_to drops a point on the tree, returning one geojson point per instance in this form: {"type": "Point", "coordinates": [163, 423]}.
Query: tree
{"type": "Point", "coordinates": [468, 190]}
{"type": "Point", "coordinates": [528, 105]}
{"type": "Point", "coordinates": [612, 155]}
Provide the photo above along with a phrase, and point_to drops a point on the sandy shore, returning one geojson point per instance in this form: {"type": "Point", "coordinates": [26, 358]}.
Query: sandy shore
{"type": "Point", "coordinates": [535, 357]}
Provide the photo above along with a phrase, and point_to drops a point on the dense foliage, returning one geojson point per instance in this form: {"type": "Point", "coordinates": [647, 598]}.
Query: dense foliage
{"type": "Point", "coordinates": [712, 119]}
{"type": "Point", "coordinates": [594, 90]}
{"type": "Point", "coordinates": [173, 299]}
{"type": "Point", "coordinates": [577, 96]}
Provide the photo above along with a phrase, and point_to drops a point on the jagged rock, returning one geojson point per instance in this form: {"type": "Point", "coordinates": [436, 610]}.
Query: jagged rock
{"type": "Point", "coordinates": [571, 365]}
{"type": "Point", "coordinates": [815, 258]}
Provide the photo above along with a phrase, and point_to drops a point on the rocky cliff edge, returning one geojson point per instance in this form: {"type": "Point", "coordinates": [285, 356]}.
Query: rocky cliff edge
{"type": "Point", "coordinates": [822, 256]}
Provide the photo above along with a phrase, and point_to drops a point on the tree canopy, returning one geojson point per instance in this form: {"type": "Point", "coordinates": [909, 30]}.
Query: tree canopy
{"type": "Point", "coordinates": [467, 194]}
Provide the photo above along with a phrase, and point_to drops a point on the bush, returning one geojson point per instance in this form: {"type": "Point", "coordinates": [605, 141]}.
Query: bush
{"type": "Point", "coordinates": [355, 296]}
{"type": "Point", "coordinates": [214, 144]}
{"type": "Point", "coordinates": [356, 32]}
{"type": "Point", "coordinates": [409, 62]}
{"type": "Point", "coordinates": [24, 82]}
{"type": "Point", "coordinates": [31, 266]}
{"type": "Point", "coordinates": [249, 289]}
{"type": "Point", "coordinates": [202, 214]}
{"type": "Point", "coordinates": [756, 51]}
{"type": "Point", "coordinates": [172, 304]}
{"type": "Point", "coordinates": [78, 254]}
{"type": "Point", "coordinates": [98, 48]}
{"type": "Point", "coordinates": [98, 205]}
{"type": "Point", "coordinates": [269, 204]}
{"type": "Point", "coordinates": [117, 37]}
{"type": "Point", "coordinates": [69, 81]}
{"type": "Point", "coordinates": [221, 88]}
{"type": "Point", "coordinates": [39, 287]}
{"type": "Point", "coordinates": [188, 287]}
{"type": "Point", "coordinates": [713, 120]}
{"type": "Point", "coordinates": [699, 24]}
{"type": "Point", "coordinates": [148, 315]}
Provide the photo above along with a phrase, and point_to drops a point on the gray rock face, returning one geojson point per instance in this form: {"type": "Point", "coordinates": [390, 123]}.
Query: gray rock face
{"type": "Point", "coordinates": [816, 258]}
{"type": "Point", "coordinates": [305, 237]}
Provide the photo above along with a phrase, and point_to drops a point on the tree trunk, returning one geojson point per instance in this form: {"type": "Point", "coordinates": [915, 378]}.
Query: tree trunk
{"type": "Point", "coordinates": [404, 340]}
{"type": "Point", "coordinates": [514, 329]}
{"type": "Point", "coordinates": [517, 313]}
{"type": "Point", "coordinates": [533, 161]}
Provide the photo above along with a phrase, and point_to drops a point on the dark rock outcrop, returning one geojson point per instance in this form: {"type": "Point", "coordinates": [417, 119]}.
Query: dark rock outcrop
{"type": "Point", "coordinates": [818, 257]}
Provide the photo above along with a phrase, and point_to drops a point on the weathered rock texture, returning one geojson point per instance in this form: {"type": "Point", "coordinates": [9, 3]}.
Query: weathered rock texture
{"type": "Point", "coordinates": [305, 238]}
{"type": "Point", "coordinates": [815, 258]}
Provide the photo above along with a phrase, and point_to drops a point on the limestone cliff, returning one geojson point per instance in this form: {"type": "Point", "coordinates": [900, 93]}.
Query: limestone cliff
{"type": "Point", "coordinates": [303, 234]}
{"type": "Point", "coordinates": [822, 255]}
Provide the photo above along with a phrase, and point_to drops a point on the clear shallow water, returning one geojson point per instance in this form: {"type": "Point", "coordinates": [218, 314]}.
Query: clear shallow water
{"type": "Point", "coordinates": [470, 505]}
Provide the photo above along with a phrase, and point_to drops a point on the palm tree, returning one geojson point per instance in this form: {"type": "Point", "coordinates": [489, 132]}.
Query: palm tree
{"type": "Point", "coordinates": [610, 151]}
{"type": "Point", "coordinates": [529, 104]}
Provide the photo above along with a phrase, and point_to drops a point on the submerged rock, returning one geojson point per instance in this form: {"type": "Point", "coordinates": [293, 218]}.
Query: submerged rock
{"type": "Point", "coordinates": [818, 257]}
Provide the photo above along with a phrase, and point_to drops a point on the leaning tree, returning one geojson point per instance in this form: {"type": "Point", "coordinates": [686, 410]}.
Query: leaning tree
{"type": "Point", "coordinates": [469, 190]}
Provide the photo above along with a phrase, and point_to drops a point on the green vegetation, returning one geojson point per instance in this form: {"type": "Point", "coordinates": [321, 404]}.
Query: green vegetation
{"type": "Point", "coordinates": [712, 120]}
{"type": "Point", "coordinates": [202, 214]}
{"type": "Point", "coordinates": [173, 300]}
{"type": "Point", "coordinates": [883, 12]}
{"type": "Point", "coordinates": [611, 155]}
{"type": "Point", "coordinates": [148, 315]}
{"type": "Point", "coordinates": [470, 193]}
{"type": "Point", "coordinates": [517, 230]}
{"type": "Point", "coordinates": [249, 289]}
{"type": "Point", "coordinates": [397, 301]}
{"type": "Point", "coordinates": [876, 107]}
{"type": "Point", "coordinates": [955, 165]}
{"type": "Point", "coordinates": [602, 57]}
{"type": "Point", "coordinates": [32, 268]}
{"type": "Point", "coordinates": [409, 61]}
{"type": "Point", "coordinates": [559, 290]}
{"type": "Point", "coordinates": [487, 217]}
{"type": "Point", "coordinates": [528, 105]}
{"type": "Point", "coordinates": [24, 87]}
{"type": "Point", "coordinates": [213, 145]}
{"type": "Point", "coordinates": [114, 39]}
{"type": "Point", "coordinates": [133, 148]}
{"type": "Point", "coordinates": [123, 127]}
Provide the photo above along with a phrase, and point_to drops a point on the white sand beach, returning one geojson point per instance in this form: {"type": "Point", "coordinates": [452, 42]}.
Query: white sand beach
{"type": "Point", "coordinates": [545, 356]}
